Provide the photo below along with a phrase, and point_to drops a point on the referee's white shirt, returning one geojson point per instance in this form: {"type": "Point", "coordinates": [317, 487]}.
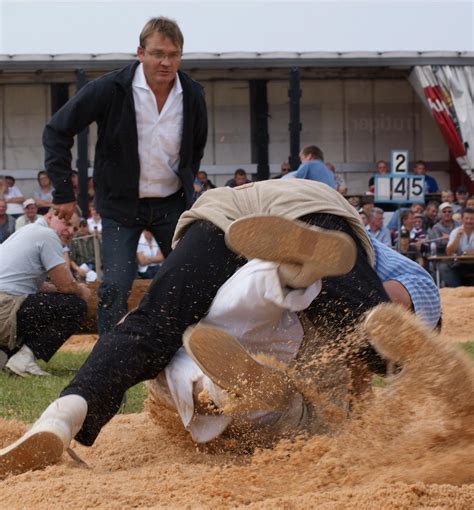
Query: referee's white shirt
{"type": "Point", "coordinates": [159, 137]}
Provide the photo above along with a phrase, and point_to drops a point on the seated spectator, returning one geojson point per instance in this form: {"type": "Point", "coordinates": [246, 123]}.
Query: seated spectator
{"type": "Point", "coordinates": [201, 184]}
{"type": "Point", "coordinates": [354, 201]}
{"type": "Point", "coordinates": [430, 215]}
{"type": "Point", "coordinates": [7, 222]}
{"type": "Point", "coordinates": [447, 196]}
{"type": "Point", "coordinates": [405, 240]}
{"type": "Point", "coordinates": [30, 214]}
{"type": "Point", "coordinates": [393, 223]}
{"type": "Point", "coordinates": [462, 195]}
{"type": "Point", "coordinates": [82, 254]}
{"type": "Point", "coordinates": [43, 194]}
{"type": "Point", "coordinates": [75, 182]}
{"type": "Point", "coordinates": [418, 233]}
{"type": "Point", "coordinates": [149, 256]}
{"type": "Point", "coordinates": [376, 228]}
{"type": "Point", "coordinates": [363, 217]}
{"type": "Point", "coordinates": [90, 190]}
{"type": "Point", "coordinates": [284, 169]}
{"type": "Point", "coordinates": [431, 186]}
{"type": "Point", "coordinates": [340, 182]}
{"type": "Point", "coordinates": [461, 242]}
{"type": "Point", "coordinates": [367, 204]}
{"type": "Point", "coordinates": [381, 168]}
{"type": "Point", "coordinates": [94, 222]}
{"type": "Point", "coordinates": [470, 202]}
{"type": "Point", "coordinates": [439, 234]}
{"type": "Point", "coordinates": [12, 195]}
{"type": "Point", "coordinates": [240, 177]}
{"type": "Point", "coordinates": [418, 236]}
{"type": "Point", "coordinates": [312, 167]}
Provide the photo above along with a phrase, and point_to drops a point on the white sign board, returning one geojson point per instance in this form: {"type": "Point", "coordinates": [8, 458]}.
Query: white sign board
{"type": "Point", "coordinates": [400, 189]}
{"type": "Point", "coordinates": [399, 162]}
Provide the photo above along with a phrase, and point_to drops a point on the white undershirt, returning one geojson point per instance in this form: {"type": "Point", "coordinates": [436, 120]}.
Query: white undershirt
{"type": "Point", "coordinates": [159, 137]}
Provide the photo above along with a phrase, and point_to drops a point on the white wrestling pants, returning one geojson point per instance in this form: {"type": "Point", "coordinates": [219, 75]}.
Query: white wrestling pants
{"type": "Point", "coordinates": [253, 307]}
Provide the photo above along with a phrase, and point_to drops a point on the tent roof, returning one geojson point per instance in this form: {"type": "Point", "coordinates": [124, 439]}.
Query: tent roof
{"type": "Point", "coordinates": [33, 62]}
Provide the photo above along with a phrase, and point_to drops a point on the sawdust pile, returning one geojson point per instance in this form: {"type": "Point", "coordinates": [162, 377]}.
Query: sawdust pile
{"type": "Point", "coordinates": [413, 447]}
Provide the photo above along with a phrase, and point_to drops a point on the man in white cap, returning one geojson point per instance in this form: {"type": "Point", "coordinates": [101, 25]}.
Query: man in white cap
{"type": "Point", "coordinates": [30, 214]}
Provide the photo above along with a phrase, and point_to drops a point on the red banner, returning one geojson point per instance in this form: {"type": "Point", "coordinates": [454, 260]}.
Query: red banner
{"type": "Point", "coordinates": [440, 112]}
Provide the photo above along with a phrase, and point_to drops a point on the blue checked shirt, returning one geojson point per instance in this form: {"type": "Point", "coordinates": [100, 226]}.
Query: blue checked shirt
{"type": "Point", "coordinates": [390, 265]}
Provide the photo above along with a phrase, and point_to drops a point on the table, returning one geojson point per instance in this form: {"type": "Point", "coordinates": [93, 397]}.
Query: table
{"type": "Point", "coordinates": [464, 259]}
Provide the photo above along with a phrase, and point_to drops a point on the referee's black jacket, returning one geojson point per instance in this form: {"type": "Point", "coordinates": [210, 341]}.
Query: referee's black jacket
{"type": "Point", "coordinates": [109, 102]}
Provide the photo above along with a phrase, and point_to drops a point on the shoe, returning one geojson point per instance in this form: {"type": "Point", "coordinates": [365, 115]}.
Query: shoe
{"type": "Point", "coordinates": [23, 363]}
{"type": "Point", "coordinates": [47, 439]}
{"type": "Point", "coordinates": [306, 253]}
{"type": "Point", "coordinates": [223, 359]}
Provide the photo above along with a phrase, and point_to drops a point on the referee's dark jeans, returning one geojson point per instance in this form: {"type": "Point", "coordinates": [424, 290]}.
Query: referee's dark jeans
{"type": "Point", "coordinates": [180, 295]}
{"type": "Point", "coordinates": [46, 320]}
{"type": "Point", "coordinates": [119, 252]}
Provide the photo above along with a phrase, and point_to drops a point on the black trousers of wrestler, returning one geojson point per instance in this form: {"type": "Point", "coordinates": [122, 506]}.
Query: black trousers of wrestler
{"type": "Point", "coordinates": [180, 295]}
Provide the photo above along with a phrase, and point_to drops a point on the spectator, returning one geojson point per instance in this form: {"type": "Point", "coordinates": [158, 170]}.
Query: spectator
{"type": "Point", "coordinates": [312, 167]}
{"type": "Point", "coordinates": [7, 222]}
{"type": "Point", "coordinates": [431, 215]}
{"type": "Point", "coordinates": [461, 196]}
{"type": "Point", "coordinates": [441, 230]}
{"type": "Point", "coordinates": [418, 232]}
{"type": "Point", "coordinates": [240, 177]}
{"type": "Point", "coordinates": [12, 196]}
{"type": "Point", "coordinates": [447, 196]}
{"type": "Point", "coordinates": [381, 168]}
{"type": "Point", "coordinates": [439, 234]}
{"type": "Point", "coordinates": [418, 238]}
{"type": "Point", "coordinates": [90, 190]}
{"type": "Point", "coordinates": [407, 219]}
{"type": "Point", "coordinates": [363, 217]}
{"type": "Point", "coordinates": [30, 214]}
{"type": "Point", "coordinates": [461, 242]}
{"type": "Point", "coordinates": [470, 203]}
{"type": "Point", "coordinates": [38, 317]}
{"type": "Point", "coordinates": [354, 201]}
{"type": "Point", "coordinates": [376, 228]}
{"type": "Point", "coordinates": [82, 254]}
{"type": "Point", "coordinates": [201, 184]}
{"type": "Point", "coordinates": [431, 186]}
{"type": "Point", "coordinates": [94, 222]}
{"type": "Point", "coordinates": [149, 256]}
{"type": "Point", "coordinates": [393, 223]}
{"type": "Point", "coordinates": [285, 168]}
{"type": "Point", "coordinates": [43, 194]}
{"type": "Point", "coordinates": [367, 204]}
{"type": "Point", "coordinates": [340, 182]}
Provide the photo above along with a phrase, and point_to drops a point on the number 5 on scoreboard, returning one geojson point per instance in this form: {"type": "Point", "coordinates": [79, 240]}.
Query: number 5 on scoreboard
{"type": "Point", "coordinates": [416, 189]}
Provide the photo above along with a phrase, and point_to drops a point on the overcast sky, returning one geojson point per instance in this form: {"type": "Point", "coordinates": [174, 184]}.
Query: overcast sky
{"type": "Point", "coordinates": [104, 26]}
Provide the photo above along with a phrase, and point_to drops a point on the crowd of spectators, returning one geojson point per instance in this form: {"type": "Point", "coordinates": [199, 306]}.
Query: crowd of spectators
{"type": "Point", "coordinates": [443, 226]}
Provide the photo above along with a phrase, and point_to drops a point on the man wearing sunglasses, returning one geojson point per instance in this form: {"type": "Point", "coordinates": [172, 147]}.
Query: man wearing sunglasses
{"type": "Point", "coordinates": [152, 130]}
{"type": "Point", "coordinates": [37, 317]}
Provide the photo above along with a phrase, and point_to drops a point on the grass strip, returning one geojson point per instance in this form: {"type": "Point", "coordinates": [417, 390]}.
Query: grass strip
{"type": "Point", "coordinates": [26, 398]}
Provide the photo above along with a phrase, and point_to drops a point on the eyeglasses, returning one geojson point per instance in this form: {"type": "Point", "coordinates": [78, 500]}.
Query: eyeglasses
{"type": "Point", "coordinates": [161, 55]}
{"type": "Point", "coordinates": [447, 211]}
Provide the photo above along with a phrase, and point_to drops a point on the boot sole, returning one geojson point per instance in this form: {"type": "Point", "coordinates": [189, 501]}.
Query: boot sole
{"type": "Point", "coordinates": [33, 452]}
{"type": "Point", "coordinates": [277, 239]}
{"type": "Point", "coordinates": [222, 358]}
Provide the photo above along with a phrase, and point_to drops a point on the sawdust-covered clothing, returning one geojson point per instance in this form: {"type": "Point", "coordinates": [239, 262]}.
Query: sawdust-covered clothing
{"type": "Point", "coordinates": [182, 291]}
